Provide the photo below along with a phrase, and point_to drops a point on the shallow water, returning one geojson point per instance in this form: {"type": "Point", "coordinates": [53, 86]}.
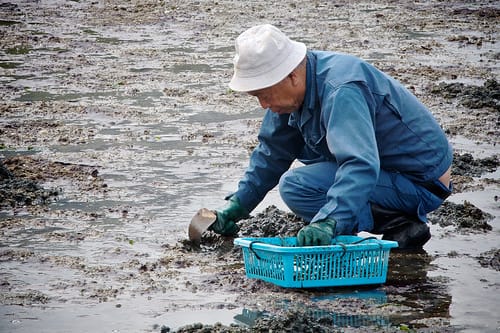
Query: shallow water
{"type": "Point", "coordinates": [147, 105]}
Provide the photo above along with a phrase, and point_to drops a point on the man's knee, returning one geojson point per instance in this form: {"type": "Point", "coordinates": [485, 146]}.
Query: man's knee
{"type": "Point", "coordinates": [288, 185]}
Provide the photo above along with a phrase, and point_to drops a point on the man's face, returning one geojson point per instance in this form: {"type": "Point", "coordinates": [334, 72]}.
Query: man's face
{"type": "Point", "coordinates": [284, 97]}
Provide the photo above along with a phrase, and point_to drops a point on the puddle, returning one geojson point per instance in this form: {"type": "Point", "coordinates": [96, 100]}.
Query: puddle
{"type": "Point", "coordinates": [141, 99]}
{"type": "Point", "coordinates": [18, 50]}
{"type": "Point", "coordinates": [10, 64]}
{"type": "Point", "coordinates": [415, 34]}
{"type": "Point", "coordinates": [8, 23]}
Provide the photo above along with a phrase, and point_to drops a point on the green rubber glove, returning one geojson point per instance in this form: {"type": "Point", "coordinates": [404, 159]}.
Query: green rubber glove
{"type": "Point", "coordinates": [317, 233]}
{"type": "Point", "coordinates": [225, 224]}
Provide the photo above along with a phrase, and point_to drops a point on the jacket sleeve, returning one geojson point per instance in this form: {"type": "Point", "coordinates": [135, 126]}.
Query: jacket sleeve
{"type": "Point", "coordinates": [349, 121]}
{"type": "Point", "coordinates": [279, 145]}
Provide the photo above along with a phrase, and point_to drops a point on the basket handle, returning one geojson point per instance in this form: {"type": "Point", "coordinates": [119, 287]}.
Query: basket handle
{"type": "Point", "coordinates": [344, 247]}
{"type": "Point", "coordinates": [367, 238]}
{"type": "Point", "coordinates": [252, 250]}
{"type": "Point", "coordinates": [257, 241]}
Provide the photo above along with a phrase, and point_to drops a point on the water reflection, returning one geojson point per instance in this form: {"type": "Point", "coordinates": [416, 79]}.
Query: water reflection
{"type": "Point", "coordinates": [409, 298]}
{"type": "Point", "coordinates": [408, 267]}
{"type": "Point", "coordinates": [408, 283]}
{"type": "Point", "coordinates": [248, 318]}
{"type": "Point", "coordinates": [372, 295]}
{"type": "Point", "coordinates": [319, 311]}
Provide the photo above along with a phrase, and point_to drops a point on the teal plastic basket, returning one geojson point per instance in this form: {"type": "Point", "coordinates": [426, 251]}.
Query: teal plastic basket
{"type": "Point", "coordinates": [348, 261]}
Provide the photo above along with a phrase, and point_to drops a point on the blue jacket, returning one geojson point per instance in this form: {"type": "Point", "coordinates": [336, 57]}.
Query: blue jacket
{"type": "Point", "coordinates": [356, 116]}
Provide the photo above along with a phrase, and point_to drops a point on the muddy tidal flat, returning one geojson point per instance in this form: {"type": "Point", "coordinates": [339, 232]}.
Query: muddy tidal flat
{"type": "Point", "coordinates": [117, 125]}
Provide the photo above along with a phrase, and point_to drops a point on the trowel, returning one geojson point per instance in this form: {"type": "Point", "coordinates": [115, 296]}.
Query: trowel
{"type": "Point", "coordinates": [200, 223]}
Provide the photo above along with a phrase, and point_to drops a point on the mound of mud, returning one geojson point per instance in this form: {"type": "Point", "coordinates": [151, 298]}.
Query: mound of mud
{"type": "Point", "coordinates": [490, 259]}
{"type": "Point", "coordinates": [19, 191]}
{"type": "Point", "coordinates": [466, 165]}
{"type": "Point", "coordinates": [271, 222]}
{"type": "Point", "coordinates": [20, 178]}
{"type": "Point", "coordinates": [487, 12]}
{"type": "Point", "coordinates": [474, 97]}
{"type": "Point", "coordinates": [29, 297]}
{"type": "Point", "coordinates": [464, 217]}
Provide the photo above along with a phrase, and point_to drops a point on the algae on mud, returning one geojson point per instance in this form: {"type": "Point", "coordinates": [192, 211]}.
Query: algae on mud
{"type": "Point", "coordinates": [123, 109]}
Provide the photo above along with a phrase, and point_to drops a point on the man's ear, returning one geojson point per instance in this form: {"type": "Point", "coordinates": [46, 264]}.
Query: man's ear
{"type": "Point", "coordinates": [296, 77]}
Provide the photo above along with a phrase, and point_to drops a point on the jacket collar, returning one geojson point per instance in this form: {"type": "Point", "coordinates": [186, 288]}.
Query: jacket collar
{"type": "Point", "coordinates": [302, 115]}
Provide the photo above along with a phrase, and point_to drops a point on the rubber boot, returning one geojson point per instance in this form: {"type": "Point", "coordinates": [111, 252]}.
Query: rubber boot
{"type": "Point", "coordinates": [408, 231]}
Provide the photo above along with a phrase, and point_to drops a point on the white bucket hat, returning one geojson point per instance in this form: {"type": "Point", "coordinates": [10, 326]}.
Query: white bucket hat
{"type": "Point", "coordinates": [264, 57]}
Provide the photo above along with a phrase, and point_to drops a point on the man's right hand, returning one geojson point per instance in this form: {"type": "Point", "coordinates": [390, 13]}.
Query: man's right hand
{"type": "Point", "coordinates": [225, 224]}
{"type": "Point", "coordinates": [317, 233]}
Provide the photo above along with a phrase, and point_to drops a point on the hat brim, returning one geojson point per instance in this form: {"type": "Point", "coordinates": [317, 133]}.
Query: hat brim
{"type": "Point", "coordinates": [270, 78]}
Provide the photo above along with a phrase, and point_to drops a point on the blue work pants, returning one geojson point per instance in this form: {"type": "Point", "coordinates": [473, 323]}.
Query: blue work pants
{"type": "Point", "coordinates": [304, 189]}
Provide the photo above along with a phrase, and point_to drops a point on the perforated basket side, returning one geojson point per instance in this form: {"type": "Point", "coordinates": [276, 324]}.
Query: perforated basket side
{"type": "Point", "coordinates": [278, 261]}
{"type": "Point", "coordinates": [341, 269]}
{"type": "Point", "coordinates": [269, 267]}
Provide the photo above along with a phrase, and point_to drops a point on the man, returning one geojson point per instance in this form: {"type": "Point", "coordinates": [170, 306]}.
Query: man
{"type": "Point", "coordinates": [374, 158]}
